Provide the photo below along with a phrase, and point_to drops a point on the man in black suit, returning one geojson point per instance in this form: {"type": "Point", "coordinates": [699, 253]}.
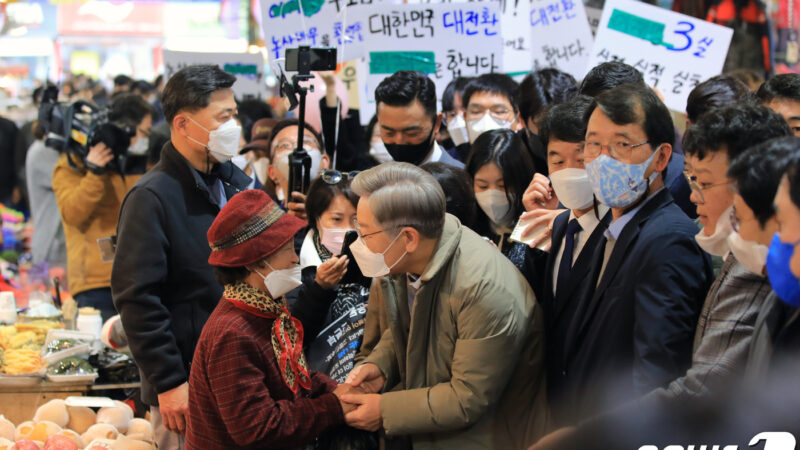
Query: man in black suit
{"type": "Point", "coordinates": [633, 332]}
{"type": "Point", "coordinates": [577, 233]}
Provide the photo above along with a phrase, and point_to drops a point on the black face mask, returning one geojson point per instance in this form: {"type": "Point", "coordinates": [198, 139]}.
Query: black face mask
{"type": "Point", "coordinates": [411, 153]}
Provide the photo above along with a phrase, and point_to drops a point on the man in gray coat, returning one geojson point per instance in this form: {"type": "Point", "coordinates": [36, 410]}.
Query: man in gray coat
{"type": "Point", "coordinates": [463, 354]}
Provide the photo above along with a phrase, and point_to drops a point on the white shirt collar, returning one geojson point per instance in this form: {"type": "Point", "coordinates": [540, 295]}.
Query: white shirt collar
{"type": "Point", "coordinates": [308, 252]}
{"type": "Point", "coordinates": [436, 154]}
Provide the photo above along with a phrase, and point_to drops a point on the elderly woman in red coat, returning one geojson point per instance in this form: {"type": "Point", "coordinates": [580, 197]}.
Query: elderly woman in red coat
{"type": "Point", "coordinates": [250, 386]}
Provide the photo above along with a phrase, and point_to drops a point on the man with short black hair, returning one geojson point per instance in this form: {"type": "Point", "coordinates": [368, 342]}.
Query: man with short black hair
{"type": "Point", "coordinates": [609, 75]}
{"type": "Point", "coordinates": [408, 120]}
{"type": "Point", "coordinates": [163, 287]}
{"type": "Point", "coordinates": [634, 330]}
{"type": "Point", "coordinates": [781, 93]}
{"type": "Point", "coordinates": [492, 102]}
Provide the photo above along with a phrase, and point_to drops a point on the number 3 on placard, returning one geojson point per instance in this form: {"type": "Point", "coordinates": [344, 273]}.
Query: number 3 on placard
{"type": "Point", "coordinates": [685, 34]}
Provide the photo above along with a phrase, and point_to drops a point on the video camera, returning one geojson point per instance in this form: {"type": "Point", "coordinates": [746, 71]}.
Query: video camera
{"type": "Point", "coordinates": [303, 59]}
{"type": "Point", "coordinates": [73, 128]}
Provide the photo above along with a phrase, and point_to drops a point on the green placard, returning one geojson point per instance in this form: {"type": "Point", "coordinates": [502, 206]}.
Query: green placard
{"type": "Point", "coordinates": [638, 27]}
{"type": "Point", "coordinates": [391, 62]}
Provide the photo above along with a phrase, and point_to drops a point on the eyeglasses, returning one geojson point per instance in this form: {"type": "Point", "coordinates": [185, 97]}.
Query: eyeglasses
{"type": "Point", "coordinates": [335, 177]}
{"type": "Point", "coordinates": [736, 222]}
{"type": "Point", "coordinates": [617, 150]}
{"type": "Point", "coordinates": [362, 236]}
{"type": "Point", "coordinates": [498, 112]}
{"type": "Point", "coordinates": [287, 145]}
{"type": "Point", "coordinates": [692, 180]}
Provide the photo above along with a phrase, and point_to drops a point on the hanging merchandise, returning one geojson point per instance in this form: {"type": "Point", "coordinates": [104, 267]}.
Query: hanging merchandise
{"type": "Point", "coordinates": [751, 46]}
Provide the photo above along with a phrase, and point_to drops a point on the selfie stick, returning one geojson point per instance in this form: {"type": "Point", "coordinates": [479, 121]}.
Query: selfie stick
{"type": "Point", "coordinates": [299, 160]}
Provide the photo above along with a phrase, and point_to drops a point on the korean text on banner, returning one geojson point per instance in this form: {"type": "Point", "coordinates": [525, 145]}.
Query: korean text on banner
{"type": "Point", "coordinates": [316, 23]}
{"type": "Point", "coordinates": [560, 36]}
{"type": "Point", "coordinates": [514, 15]}
{"type": "Point", "coordinates": [673, 52]}
{"type": "Point", "coordinates": [443, 40]}
{"type": "Point", "coordinates": [247, 67]}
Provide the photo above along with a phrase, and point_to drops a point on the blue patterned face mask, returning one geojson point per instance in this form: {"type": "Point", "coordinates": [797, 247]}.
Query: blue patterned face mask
{"type": "Point", "coordinates": [618, 184]}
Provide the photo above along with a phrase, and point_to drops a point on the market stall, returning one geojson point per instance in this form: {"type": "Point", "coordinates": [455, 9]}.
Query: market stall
{"type": "Point", "coordinates": [51, 354]}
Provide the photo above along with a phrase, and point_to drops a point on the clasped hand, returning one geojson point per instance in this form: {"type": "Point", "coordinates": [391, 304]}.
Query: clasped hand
{"type": "Point", "coordinates": [359, 398]}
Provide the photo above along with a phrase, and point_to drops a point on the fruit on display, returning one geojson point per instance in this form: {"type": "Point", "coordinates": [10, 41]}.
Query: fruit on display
{"type": "Point", "coordinates": [54, 411]}
{"type": "Point", "coordinates": [81, 418]}
{"type": "Point", "coordinates": [140, 428]}
{"type": "Point", "coordinates": [60, 442]}
{"type": "Point", "coordinates": [115, 416]}
{"type": "Point", "coordinates": [6, 428]}
{"type": "Point", "coordinates": [100, 430]}
{"type": "Point", "coordinates": [81, 426]}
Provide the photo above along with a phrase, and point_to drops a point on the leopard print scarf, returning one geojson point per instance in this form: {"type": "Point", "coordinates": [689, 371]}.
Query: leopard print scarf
{"type": "Point", "coordinates": [287, 332]}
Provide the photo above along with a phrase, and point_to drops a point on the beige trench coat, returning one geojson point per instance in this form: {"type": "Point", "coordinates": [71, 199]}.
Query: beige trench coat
{"type": "Point", "coordinates": [467, 367]}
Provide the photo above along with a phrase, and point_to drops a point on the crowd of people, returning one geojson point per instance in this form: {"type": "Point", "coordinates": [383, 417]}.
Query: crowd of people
{"type": "Point", "coordinates": [545, 264]}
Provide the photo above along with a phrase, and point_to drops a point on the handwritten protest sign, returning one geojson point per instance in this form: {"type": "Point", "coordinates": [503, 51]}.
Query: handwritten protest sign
{"type": "Point", "coordinates": [514, 16]}
{"type": "Point", "coordinates": [442, 40]}
{"type": "Point", "coordinates": [560, 36]}
{"type": "Point", "coordinates": [248, 68]}
{"type": "Point", "coordinates": [594, 15]}
{"type": "Point", "coordinates": [674, 52]}
{"type": "Point", "coordinates": [316, 23]}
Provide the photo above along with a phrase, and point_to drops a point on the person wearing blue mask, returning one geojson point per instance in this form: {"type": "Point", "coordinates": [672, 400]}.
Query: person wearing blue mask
{"type": "Point", "coordinates": [777, 333]}
{"type": "Point", "coordinates": [633, 332]}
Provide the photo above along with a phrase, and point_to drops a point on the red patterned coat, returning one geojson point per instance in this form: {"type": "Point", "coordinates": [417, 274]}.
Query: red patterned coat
{"type": "Point", "coordinates": [237, 397]}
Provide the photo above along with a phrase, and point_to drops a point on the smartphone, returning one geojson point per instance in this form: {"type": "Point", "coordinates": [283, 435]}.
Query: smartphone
{"type": "Point", "coordinates": [353, 274]}
{"type": "Point", "coordinates": [305, 59]}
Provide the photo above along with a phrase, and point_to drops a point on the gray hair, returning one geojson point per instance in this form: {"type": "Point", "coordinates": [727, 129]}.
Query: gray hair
{"type": "Point", "coordinates": [402, 194]}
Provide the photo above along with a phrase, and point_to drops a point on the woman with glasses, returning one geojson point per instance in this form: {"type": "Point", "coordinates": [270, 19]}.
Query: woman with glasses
{"type": "Point", "coordinates": [500, 172]}
{"type": "Point", "coordinates": [333, 317]}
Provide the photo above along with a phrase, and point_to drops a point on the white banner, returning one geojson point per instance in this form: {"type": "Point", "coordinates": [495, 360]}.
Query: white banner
{"type": "Point", "coordinates": [674, 52]}
{"type": "Point", "coordinates": [443, 40]}
{"type": "Point", "coordinates": [560, 36]}
{"type": "Point", "coordinates": [248, 68]}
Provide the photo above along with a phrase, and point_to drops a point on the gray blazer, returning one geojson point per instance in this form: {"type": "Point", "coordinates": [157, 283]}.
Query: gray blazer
{"type": "Point", "coordinates": [724, 332]}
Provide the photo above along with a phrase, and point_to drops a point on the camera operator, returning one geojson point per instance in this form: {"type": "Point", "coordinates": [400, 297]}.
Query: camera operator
{"type": "Point", "coordinates": [89, 194]}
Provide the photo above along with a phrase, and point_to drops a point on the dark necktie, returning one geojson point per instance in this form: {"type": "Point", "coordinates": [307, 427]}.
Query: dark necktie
{"type": "Point", "coordinates": [573, 227]}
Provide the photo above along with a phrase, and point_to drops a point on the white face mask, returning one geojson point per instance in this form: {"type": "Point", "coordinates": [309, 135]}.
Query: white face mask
{"type": "Point", "coordinates": [458, 130]}
{"type": "Point", "coordinates": [140, 147]}
{"type": "Point", "coordinates": [378, 151]}
{"type": "Point", "coordinates": [373, 264]}
{"type": "Point", "coordinates": [240, 161]}
{"type": "Point", "coordinates": [717, 243]}
{"type": "Point", "coordinates": [283, 162]}
{"type": "Point", "coordinates": [495, 204]}
{"type": "Point", "coordinates": [223, 143]}
{"type": "Point", "coordinates": [260, 169]}
{"type": "Point", "coordinates": [279, 282]}
{"type": "Point", "coordinates": [485, 123]}
{"type": "Point", "coordinates": [752, 255]}
{"type": "Point", "coordinates": [572, 188]}
{"type": "Point", "coordinates": [333, 239]}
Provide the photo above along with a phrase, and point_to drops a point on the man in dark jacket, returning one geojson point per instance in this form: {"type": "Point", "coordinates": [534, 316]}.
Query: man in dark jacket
{"type": "Point", "coordinates": [634, 332]}
{"type": "Point", "coordinates": [162, 285]}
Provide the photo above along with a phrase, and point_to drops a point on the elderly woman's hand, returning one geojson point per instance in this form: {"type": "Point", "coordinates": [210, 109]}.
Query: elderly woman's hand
{"type": "Point", "coordinates": [331, 272]}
